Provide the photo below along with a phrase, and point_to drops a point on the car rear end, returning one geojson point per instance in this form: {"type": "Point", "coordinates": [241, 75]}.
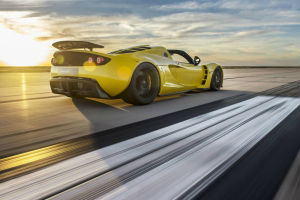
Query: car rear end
{"type": "Point", "coordinates": [76, 73]}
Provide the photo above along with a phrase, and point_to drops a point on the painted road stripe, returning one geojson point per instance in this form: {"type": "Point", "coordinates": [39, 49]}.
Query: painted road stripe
{"type": "Point", "coordinates": [172, 179]}
{"type": "Point", "coordinates": [219, 132]}
{"type": "Point", "coordinates": [209, 128]}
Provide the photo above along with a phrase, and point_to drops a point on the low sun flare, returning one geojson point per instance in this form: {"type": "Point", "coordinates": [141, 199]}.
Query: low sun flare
{"type": "Point", "coordinates": [20, 50]}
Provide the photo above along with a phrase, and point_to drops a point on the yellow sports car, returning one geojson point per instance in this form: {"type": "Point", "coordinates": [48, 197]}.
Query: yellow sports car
{"type": "Point", "coordinates": [136, 74]}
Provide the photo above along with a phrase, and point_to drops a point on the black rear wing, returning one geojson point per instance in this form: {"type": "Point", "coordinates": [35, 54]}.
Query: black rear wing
{"type": "Point", "coordinates": [66, 45]}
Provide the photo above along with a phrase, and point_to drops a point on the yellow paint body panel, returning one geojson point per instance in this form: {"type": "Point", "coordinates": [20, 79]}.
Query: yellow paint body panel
{"type": "Point", "coordinates": [115, 76]}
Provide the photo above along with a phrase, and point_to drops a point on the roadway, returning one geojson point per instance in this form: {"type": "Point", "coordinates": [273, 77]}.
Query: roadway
{"type": "Point", "coordinates": [32, 114]}
{"type": "Point", "coordinates": [32, 118]}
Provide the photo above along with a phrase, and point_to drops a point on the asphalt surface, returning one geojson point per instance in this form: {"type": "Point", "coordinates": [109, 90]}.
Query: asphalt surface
{"type": "Point", "coordinates": [260, 173]}
{"type": "Point", "coordinates": [32, 114]}
{"type": "Point", "coordinates": [32, 118]}
{"type": "Point", "coordinates": [163, 164]}
{"type": "Point", "coordinates": [290, 187]}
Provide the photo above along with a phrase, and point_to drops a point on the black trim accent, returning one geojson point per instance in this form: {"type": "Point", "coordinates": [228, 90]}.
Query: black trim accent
{"type": "Point", "coordinates": [78, 87]}
{"type": "Point", "coordinates": [205, 72]}
{"type": "Point", "coordinates": [140, 48]}
{"type": "Point", "coordinates": [126, 51]}
{"type": "Point", "coordinates": [183, 54]}
{"type": "Point", "coordinates": [130, 50]}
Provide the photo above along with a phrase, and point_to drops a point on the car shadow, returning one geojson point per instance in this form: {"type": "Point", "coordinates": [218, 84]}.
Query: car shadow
{"type": "Point", "coordinates": [105, 114]}
{"type": "Point", "coordinates": [95, 110]}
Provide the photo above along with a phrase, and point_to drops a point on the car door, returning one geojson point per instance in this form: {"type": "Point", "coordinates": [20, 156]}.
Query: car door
{"type": "Point", "coordinates": [185, 73]}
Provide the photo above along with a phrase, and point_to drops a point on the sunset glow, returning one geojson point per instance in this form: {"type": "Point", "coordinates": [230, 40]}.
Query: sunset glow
{"type": "Point", "coordinates": [21, 50]}
{"type": "Point", "coordinates": [231, 32]}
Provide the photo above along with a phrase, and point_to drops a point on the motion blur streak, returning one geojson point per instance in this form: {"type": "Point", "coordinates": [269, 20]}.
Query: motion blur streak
{"type": "Point", "coordinates": [159, 164]}
{"type": "Point", "coordinates": [44, 119]}
{"type": "Point", "coordinates": [22, 161]}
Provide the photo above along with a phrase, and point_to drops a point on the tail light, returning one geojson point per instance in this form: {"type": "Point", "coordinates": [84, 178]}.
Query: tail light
{"type": "Point", "coordinates": [99, 60]}
{"type": "Point", "coordinates": [90, 60]}
{"type": "Point", "coordinates": [53, 61]}
{"type": "Point", "coordinates": [70, 58]}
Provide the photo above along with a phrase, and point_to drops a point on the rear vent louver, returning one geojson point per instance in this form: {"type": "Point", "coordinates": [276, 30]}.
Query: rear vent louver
{"type": "Point", "coordinates": [131, 50]}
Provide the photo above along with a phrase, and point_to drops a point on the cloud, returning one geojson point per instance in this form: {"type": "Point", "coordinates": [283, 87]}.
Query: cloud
{"type": "Point", "coordinates": [223, 31]}
{"type": "Point", "coordinates": [189, 5]}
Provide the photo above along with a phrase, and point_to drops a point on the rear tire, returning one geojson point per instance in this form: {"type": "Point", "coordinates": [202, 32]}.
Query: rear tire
{"type": "Point", "coordinates": [144, 85]}
{"type": "Point", "coordinates": [217, 79]}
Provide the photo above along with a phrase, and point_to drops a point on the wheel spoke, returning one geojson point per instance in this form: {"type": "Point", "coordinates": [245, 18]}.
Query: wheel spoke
{"type": "Point", "coordinates": [218, 81]}
{"type": "Point", "coordinates": [143, 83]}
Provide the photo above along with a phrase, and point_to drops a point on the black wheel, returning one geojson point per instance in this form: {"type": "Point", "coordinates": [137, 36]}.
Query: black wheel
{"type": "Point", "coordinates": [216, 80]}
{"type": "Point", "coordinates": [144, 85]}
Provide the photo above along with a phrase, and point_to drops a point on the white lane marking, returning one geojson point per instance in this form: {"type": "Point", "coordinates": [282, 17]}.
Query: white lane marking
{"type": "Point", "coordinates": [200, 136]}
{"type": "Point", "coordinates": [53, 178]}
{"type": "Point", "coordinates": [170, 180]}
{"type": "Point", "coordinates": [93, 159]}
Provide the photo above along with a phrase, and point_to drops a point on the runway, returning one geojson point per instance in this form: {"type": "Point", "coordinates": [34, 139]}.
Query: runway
{"type": "Point", "coordinates": [32, 114]}
{"type": "Point", "coordinates": [32, 119]}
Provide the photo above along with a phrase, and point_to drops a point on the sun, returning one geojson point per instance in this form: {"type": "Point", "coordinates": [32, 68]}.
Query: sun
{"type": "Point", "coordinates": [21, 50]}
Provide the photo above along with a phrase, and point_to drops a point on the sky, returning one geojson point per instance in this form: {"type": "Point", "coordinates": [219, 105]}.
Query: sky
{"type": "Point", "coordinates": [229, 32]}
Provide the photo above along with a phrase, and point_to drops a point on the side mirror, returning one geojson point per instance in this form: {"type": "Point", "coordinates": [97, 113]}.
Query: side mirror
{"type": "Point", "coordinates": [197, 60]}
